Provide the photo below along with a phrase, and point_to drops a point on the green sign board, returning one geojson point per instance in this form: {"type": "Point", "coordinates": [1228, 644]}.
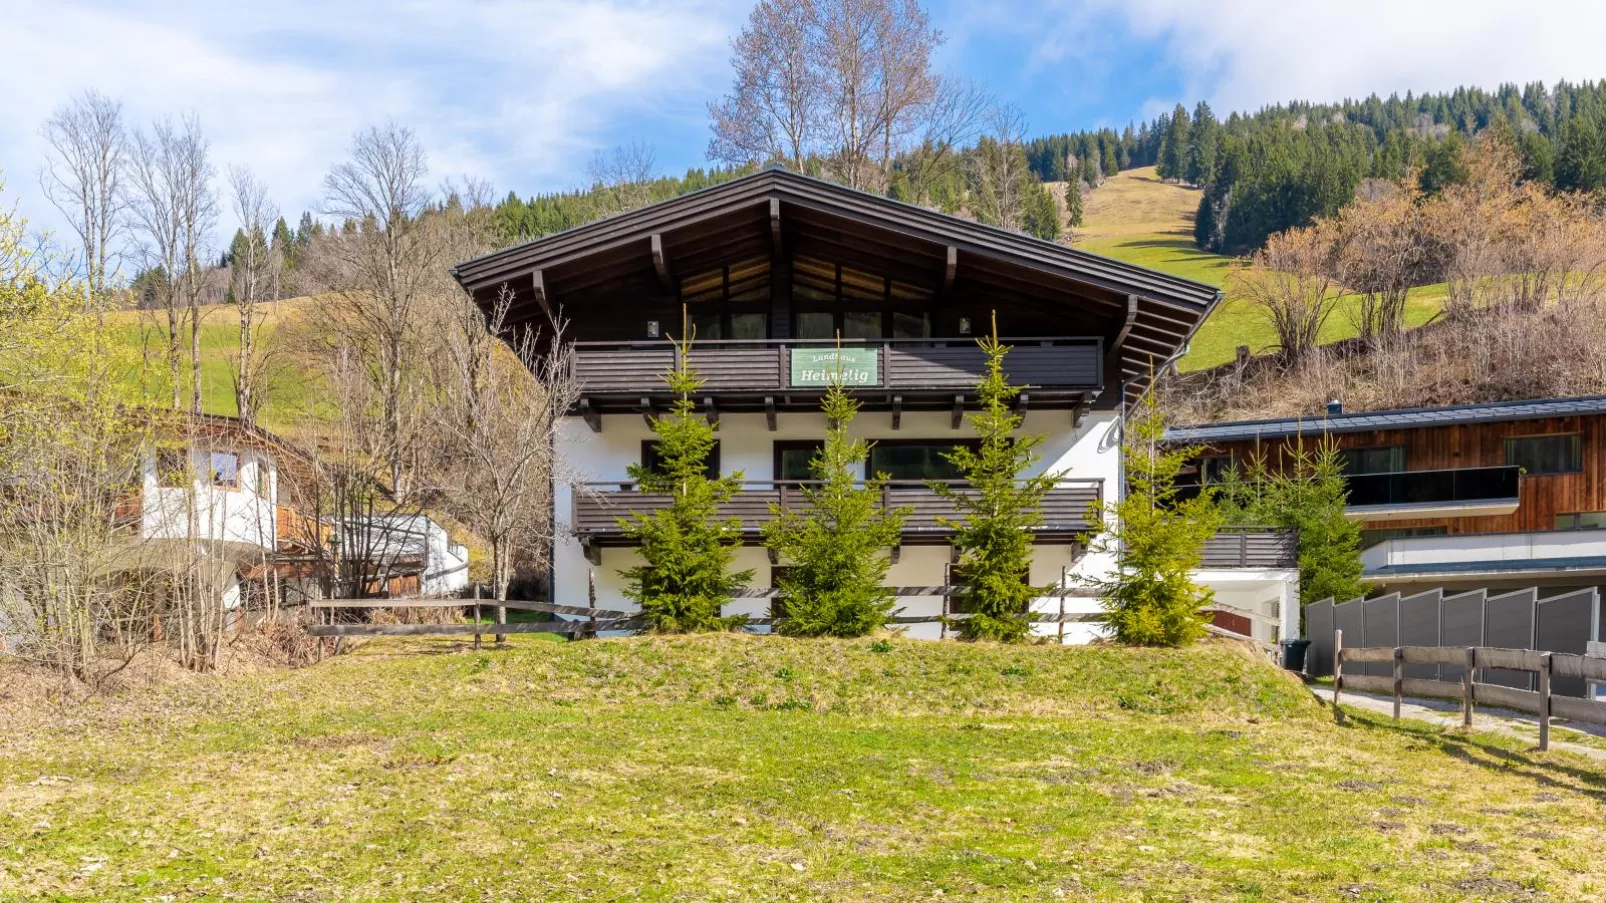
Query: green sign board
{"type": "Point", "coordinates": [823, 366]}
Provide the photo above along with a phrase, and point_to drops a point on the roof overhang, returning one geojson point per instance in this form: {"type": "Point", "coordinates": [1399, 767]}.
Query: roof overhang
{"type": "Point", "coordinates": [1153, 314]}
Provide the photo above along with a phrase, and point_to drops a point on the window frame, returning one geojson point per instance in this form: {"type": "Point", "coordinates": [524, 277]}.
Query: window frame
{"type": "Point", "coordinates": [1576, 515]}
{"type": "Point", "coordinates": [785, 445]}
{"type": "Point", "coordinates": [869, 463]}
{"type": "Point", "coordinates": [1577, 451]}
{"type": "Point", "coordinates": [214, 474]}
{"type": "Point", "coordinates": [1404, 456]}
{"type": "Point", "coordinates": [649, 458]}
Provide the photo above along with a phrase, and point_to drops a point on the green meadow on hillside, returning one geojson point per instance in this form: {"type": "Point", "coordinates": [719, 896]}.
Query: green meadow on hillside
{"type": "Point", "coordinates": [1137, 218]}
{"type": "Point", "coordinates": [764, 768]}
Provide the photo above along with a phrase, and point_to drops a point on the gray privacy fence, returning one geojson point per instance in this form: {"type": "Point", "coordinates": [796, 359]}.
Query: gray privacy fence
{"type": "Point", "coordinates": [1567, 622]}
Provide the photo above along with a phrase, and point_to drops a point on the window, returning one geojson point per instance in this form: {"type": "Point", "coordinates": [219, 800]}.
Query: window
{"type": "Point", "coordinates": [1385, 459]}
{"type": "Point", "coordinates": [649, 459]}
{"type": "Point", "coordinates": [1214, 468]}
{"type": "Point", "coordinates": [861, 324]}
{"type": "Point", "coordinates": [745, 326]}
{"type": "Point", "coordinates": [792, 459]}
{"type": "Point", "coordinates": [224, 468]}
{"type": "Point", "coordinates": [262, 480]}
{"type": "Point", "coordinates": [915, 460]}
{"type": "Point", "coordinates": [172, 468]}
{"type": "Point", "coordinates": [1582, 520]}
{"type": "Point", "coordinates": [1371, 538]}
{"type": "Point", "coordinates": [911, 326]}
{"type": "Point", "coordinates": [1539, 455]}
{"type": "Point", "coordinates": [816, 324]}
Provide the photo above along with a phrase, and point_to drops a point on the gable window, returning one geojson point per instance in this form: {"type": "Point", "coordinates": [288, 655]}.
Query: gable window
{"type": "Point", "coordinates": [1214, 468]}
{"type": "Point", "coordinates": [1384, 459]}
{"type": "Point", "coordinates": [1540, 455]}
{"type": "Point", "coordinates": [224, 469]}
{"type": "Point", "coordinates": [1582, 520]}
{"type": "Point", "coordinates": [651, 461]}
{"type": "Point", "coordinates": [915, 459]}
{"type": "Point", "coordinates": [172, 468]}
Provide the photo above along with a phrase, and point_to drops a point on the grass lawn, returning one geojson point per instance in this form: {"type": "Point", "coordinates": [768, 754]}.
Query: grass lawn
{"type": "Point", "coordinates": [749, 768]}
{"type": "Point", "coordinates": [1137, 218]}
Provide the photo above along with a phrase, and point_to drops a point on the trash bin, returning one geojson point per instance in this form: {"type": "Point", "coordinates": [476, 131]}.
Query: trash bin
{"type": "Point", "coordinates": [1294, 654]}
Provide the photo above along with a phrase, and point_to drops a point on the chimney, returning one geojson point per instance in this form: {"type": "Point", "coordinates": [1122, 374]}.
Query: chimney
{"type": "Point", "coordinates": [1335, 408]}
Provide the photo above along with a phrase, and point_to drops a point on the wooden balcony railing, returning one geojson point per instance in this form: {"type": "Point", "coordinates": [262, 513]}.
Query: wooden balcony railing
{"type": "Point", "coordinates": [597, 508]}
{"type": "Point", "coordinates": [636, 369]}
{"type": "Point", "coordinates": [1252, 547]}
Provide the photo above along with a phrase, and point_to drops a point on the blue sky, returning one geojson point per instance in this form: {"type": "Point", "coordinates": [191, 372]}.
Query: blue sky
{"type": "Point", "coordinates": [522, 94]}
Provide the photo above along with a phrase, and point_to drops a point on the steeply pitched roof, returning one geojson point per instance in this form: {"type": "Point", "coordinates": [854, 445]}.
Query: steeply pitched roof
{"type": "Point", "coordinates": [1405, 418]}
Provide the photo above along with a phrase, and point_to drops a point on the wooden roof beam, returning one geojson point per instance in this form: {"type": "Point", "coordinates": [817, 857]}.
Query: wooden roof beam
{"type": "Point", "coordinates": [538, 286]}
{"type": "Point", "coordinates": [949, 271]}
{"type": "Point", "coordinates": [775, 227]}
{"type": "Point", "coordinates": [660, 263]}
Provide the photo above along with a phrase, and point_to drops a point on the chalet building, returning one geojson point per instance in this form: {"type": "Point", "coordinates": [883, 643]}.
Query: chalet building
{"type": "Point", "coordinates": [251, 500]}
{"type": "Point", "coordinates": [1511, 494]}
{"type": "Point", "coordinates": [769, 270]}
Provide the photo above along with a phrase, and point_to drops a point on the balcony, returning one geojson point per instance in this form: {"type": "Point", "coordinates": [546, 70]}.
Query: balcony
{"type": "Point", "coordinates": [1251, 547]}
{"type": "Point", "coordinates": [597, 508]}
{"type": "Point", "coordinates": [627, 377]}
{"type": "Point", "coordinates": [1466, 492]}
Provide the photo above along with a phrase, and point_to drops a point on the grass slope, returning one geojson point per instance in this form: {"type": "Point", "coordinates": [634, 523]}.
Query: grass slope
{"type": "Point", "coordinates": [1140, 219]}
{"type": "Point", "coordinates": [287, 394]}
{"type": "Point", "coordinates": [749, 768]}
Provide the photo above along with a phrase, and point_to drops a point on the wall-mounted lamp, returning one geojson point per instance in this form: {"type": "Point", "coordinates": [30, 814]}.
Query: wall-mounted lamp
{"type": "Point", "coordinates": [652, 329]}
{"type": "Point", "coordinates": [964, 326]}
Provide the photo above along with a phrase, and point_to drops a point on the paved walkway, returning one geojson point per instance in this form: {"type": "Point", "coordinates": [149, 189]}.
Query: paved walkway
{"type": "Point", "coordinates": [1447, 713]}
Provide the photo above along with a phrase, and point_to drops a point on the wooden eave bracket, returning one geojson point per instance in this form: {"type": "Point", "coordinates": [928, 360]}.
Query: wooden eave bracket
{"type": "Point", "coordinates": [959, 412]}
{"type": "Point", "coordinates": [775, 226]}
{"type": "Point", "coordinates": [660, 263]}
{"type": "Point", "coordinates": [542, 297]}
{"type": "Point", "coordinates": [950, 271]}
{"type": "Point", "coordinates": [770, 417]}
{"type": "Point", "coordinates": [592, 418]}
{"type": "Point", "coordinates": [647, 411]}
{"type": "Point", "coordinates": [897, 412]}
{"type": "Point", "coordinates": [592, 552]}
{"type": "Point", "coordinates": [710, 411]}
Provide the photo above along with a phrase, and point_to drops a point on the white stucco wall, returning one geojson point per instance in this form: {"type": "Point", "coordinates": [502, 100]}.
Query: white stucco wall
{"type": "Point", "coordinates": [222, 514]}
{"type": "Point", "coordinates": [1091, 451]}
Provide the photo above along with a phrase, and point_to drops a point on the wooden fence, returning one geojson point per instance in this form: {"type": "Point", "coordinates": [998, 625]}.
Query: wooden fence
{"type": "Point", "coordinates": [1469, 660]}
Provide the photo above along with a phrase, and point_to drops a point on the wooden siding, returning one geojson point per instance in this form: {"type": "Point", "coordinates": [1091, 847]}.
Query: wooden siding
{"type": "Point", "coordinates": [1541, 497]}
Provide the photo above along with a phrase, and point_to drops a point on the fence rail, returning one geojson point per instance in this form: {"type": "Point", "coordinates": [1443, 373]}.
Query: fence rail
{"type": "Point", "coordinates": [1471, 660]}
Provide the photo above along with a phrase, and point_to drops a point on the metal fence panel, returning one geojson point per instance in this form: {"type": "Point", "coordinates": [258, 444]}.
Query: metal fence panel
{"type": "Point", "coordinates": [1347, 617]}
{"type": "Point", "coordinates": [1461, 625]}
{"type": "Point", "coordinates": [1319, 630]}
{"type": "Point", "coordinates": [1382, 617]}
{"type": "Point", "coordinates": [1419, 626]}
{"type": "Point", "coordinates": [1508, 623]}
{"type": "Point", "coordinates": [1563, 626]}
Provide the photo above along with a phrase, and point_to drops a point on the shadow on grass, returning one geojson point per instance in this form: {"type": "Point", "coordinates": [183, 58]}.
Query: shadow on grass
{"type": "Point", "coordinates": [1477, 749]}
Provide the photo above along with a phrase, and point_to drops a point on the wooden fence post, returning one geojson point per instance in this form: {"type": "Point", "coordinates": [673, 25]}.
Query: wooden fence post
{"type": "Point", "coordinates": [591, 603]}
{"type": "Point", "coordinates": [1466, 687]}
{"type": "Point", "coordinates": [1338, 666]}
{"type": "Point", "coordinates": [1399, 679]}
{"type": "Point", "coordinates": [1544, 701]}
{"type": "Point", "coordinates": [947, 581]}
{"type": "Point", "coordinates": [476, 616]}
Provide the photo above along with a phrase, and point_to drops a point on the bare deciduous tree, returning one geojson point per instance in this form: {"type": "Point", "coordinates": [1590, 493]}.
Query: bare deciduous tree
{"type": "Point", "coordinates": [1289, 283]}
{"type": "Point", "coordinates": [999, 171]}
{"type": "Point", "coordinates": [847, 82]}
{"type": "Point", "coordinates": [503, 413]}
{"type": "Point", "coordinates": [83, 176]}
{"type": "Point", "coordinates": [174, 211]}
{"type": "Point", "coordinates": [1380, 257]}
{"type": "Point", "coordinates": [626, 172]}
{"type": "Point", "coordinates": [254, 270]}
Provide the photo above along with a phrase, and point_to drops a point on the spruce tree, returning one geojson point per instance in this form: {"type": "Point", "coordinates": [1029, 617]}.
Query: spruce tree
{"type": "Point", "coordinates": [1150, 598]}
{"type": "Point", "coordinates": [686, 547]}
{"type": "Point", "coordinates": [836, 542]}
{"type": "Point", "coordinates": [1000, 509]}
{"type": "Point", "coordinates": [1173, 162]}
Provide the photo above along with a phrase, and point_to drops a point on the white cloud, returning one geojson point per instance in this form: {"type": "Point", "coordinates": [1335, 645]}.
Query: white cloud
{"type": "Point", "coordinates": [519, 93]}
{"type": "Point", "coordinates": [1243, 54]}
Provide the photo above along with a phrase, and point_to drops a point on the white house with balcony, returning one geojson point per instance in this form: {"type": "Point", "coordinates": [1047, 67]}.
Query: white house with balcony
{"type": "Point", "coordinates": [784, 279]}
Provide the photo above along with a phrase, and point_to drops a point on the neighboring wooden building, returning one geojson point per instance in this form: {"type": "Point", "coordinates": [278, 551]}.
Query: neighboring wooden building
{"type": "Point", "coordinates": [1466, 493]}
{"type": "Point", "coordinates": [769, 270]}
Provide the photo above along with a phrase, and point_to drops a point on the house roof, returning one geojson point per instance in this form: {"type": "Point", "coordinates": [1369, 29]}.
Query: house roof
{"type": "Point", "coordinates": [774, 212]}
{"type": "Point", "coordinates": [1405, 418]}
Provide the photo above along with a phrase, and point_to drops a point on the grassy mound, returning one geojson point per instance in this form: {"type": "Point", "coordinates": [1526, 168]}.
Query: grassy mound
{"type": "Point", "coordinates": [751, 768]}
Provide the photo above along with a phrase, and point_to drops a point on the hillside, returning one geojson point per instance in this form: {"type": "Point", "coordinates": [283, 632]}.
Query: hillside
{"type": "Point", "coordinates": [763, 768]}
{"type": "Point", "coordinates": [1136, 217]}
